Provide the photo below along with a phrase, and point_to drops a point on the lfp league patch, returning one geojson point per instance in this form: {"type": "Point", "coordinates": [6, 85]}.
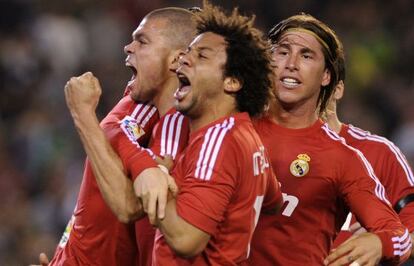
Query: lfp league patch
{"type": "Point", "coordinates": [131, 128]}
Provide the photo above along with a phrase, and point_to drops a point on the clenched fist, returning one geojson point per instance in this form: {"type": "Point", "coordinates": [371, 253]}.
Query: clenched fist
{"type": "Point", "coordinates": [82, 94]}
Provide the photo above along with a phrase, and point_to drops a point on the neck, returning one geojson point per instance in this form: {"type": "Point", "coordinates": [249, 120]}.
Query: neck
{"type": "Point", "coordinates": [333, 120]}
{"type": "Point", "coordinates": [164, 101]}
{"type": "Point", "coordinates": [294, 117]}
{"type": "Point", "coordinates": [213, 112]}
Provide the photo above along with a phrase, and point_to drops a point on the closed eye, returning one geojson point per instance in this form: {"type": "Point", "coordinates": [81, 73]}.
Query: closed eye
{"type": "Point", "coordinates": [307, 56]}
{"type": "Point", "coordinates": [200, 55]}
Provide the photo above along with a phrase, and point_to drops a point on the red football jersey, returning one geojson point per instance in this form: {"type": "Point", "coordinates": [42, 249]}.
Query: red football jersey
{"type": "Point", "coordinates": [170, 137]}
{"type": "Point", "coordinates": [322, 178]}
{"type": "Point", "coordinates": [224, 178]}
{"type": "Point", "coordinates": [94, 235]}
{"type": "Point", "coordinates": [390, 166]}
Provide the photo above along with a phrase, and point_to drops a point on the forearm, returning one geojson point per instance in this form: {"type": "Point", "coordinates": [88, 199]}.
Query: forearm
{"type": "Point", "coordinates": [116, 188]}
{"type": "Point", "coordinates": [185, 239]}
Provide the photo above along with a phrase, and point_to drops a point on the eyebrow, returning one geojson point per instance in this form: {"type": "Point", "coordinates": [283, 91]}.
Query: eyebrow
{"type": "Point", "coordinates": [137, 35]}
{"type": "Point", "coordinates": [303, 50]}
{"type": "Point", "coordinates": [307, 50]}
{"type": "Point", "coordinates": [203, 48]}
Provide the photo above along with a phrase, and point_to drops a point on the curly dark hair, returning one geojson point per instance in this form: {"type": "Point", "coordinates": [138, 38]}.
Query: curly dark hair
{"type": "Point", "coordinates": [248, 57]}
{"type": "Point", "coordinates": [333, 53]}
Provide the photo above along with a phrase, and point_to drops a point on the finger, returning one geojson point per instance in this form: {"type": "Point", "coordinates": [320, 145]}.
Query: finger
{"type": "Point", "coordinates": [144, 199]}
{"type": "Point", "coordinates": [168, 158]}
{"type": "Point", "coordinates": [346, 259]}
{"type": "Point", "coordinates": [152, 206]}
{"type": "Point", "coordinates": [138, 189]}
{"type": "Point", "coordinates": [172, 186]}
{"type": "Point", "coordinates": [43, 259]}
{"type": "Point", "coordinates": [96, 84]}
{"type": "Point", "coordinates": [169, 161]}
{"type": "Point", "coordinates": [162, 202]}
{"type": "Point", "coordinates": [159, 160]}
{"type": "Point", "coordinates": [87, 74]}
{"type": "Point", "coordinates": [362, 261]}
{"type": "Point", "coordinates": [163, 169]}
{"type": "Point", "coordinates": [339, 252]}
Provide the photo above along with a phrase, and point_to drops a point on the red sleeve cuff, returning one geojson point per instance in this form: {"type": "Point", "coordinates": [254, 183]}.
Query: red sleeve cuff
{"type": "Point", "coordinates": [387, 245]}
{"type": "Point", "coordinates": [138, 163]}
{"type": "Point", "coordinates": [394, 253]}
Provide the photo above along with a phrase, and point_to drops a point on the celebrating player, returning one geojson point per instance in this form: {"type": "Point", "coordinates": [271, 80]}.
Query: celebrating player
{"type": "Point", "coordinates": [223, 175]}
{"type": "Point", "coordinates": [321, 176]}
{"type": "Point", "coordinates": [388, 162]}
{"type": "Point", "coordinates": [94, 235]}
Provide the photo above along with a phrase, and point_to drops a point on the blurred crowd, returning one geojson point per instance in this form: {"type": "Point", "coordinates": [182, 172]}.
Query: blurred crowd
{"type": "Point", "coordinates": [44, 42]}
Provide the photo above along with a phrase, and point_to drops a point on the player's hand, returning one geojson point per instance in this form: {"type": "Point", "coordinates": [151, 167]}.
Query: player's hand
{"type": "Point", "coordinates": [167, 161]}
{"type": "Point", "coordinates": [82, 94]}
{"type": "Point", "coordinates": [43, 260]}
{"type": "Point", "coordinates": [363, 249]}
{"type": "Point", "coordinates": [357, 229]}
{"type": "Point", "coordinates": [152, 187]}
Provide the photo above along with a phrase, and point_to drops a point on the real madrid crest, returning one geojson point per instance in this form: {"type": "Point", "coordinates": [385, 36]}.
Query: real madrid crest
{"type": "Point", "coordinates": [300, 166]}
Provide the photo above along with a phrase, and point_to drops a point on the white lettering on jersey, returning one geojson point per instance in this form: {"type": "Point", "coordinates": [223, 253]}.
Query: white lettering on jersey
{"type": "Point", "coordinates": [260, 162]}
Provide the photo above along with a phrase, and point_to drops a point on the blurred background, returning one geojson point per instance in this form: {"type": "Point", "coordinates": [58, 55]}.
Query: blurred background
{"type": "Point", "coordinates": [44, 42]}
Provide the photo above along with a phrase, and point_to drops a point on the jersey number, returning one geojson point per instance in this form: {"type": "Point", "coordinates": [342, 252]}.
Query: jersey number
{"type": "Point", "coordinates": [292, 202]}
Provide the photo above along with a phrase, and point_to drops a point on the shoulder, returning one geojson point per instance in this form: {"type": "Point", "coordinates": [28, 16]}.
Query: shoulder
{"type": "Point", "coordinates": [337, 143]}
{"type": "Point", "coordinates": [374, 141]}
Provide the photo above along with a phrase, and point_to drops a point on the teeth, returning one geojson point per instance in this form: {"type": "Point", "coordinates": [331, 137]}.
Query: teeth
{"type": "Point", "coordinates": [290, 81]}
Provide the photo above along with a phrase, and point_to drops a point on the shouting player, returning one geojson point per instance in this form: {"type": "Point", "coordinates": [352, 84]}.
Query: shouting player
{"type": "Point", "coordinates": [94, 235]}
{"type": "Point", "coordinates": [223, 175]}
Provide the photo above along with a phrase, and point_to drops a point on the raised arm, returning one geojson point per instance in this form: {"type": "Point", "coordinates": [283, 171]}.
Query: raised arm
{"type": "Point", "coordinates": [82, 96]}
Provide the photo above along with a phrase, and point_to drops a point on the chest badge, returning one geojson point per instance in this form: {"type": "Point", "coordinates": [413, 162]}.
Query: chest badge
{"type": "Point", "coordinates": [300, 166]}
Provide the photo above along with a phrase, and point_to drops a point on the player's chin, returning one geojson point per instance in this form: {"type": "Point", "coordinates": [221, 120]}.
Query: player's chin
{"type": "Point", "coordinates": [140, 95]}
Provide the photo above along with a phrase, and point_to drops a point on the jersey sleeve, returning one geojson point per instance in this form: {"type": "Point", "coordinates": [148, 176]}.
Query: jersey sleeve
{"type": "Point", "coordinates": [399, 182]}
{"type": "Point", "coordinates": [273, 200]}
{"type": "Point", "coordinates": [365, 196]}
{"type": "Point", "coordinates": [171, 135]}
{"type": "Point", "coordinates": [208, 188]}
{"type": "Point", "coordinates": [132, 134]}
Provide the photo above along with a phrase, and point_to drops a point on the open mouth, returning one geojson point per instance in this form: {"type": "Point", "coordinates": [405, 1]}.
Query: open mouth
{"type": "Point", "coordinates": [184, 86]}
{"type": "Point", "coordinates": [133, 70]}
{"type": "Point", "coordinates": [290, 82]}
{"type": "Point", "coordinates": [134, 75]}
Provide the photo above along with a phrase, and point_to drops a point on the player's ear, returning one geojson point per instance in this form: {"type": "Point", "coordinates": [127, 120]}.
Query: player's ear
{"type": "Point", "coordinates": [326, 78]}
{"type": "Point", "coordinates": [339, 90]}
{"type": "Point", "coordinates": [174, 58]}
{"type": "Point", "coordinates": [232, 84]}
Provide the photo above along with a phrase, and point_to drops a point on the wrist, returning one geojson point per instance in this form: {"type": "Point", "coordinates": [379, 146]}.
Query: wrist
{"type": "Point", "coordinates": [84, 118]}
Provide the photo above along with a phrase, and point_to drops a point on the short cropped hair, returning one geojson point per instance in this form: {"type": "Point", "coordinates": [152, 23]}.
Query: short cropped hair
{"type": "Point", "coordinates": [248, 57]}
{"type": "Point", "coordinates": [180, 27]}
{"type": "Point", "coordinates": [331, 47]}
